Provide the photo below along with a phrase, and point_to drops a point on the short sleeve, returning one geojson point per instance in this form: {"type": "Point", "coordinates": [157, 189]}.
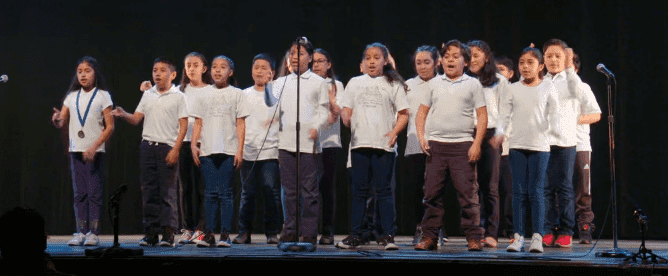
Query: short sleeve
{"type": "Point", "coordinates": [478, 95]}
{"type": "Point", "coordinates": [243, 107]}
{"type": "Point", "coordinates": [348, 95]}
{"type": "Point", "coordinates": [182, 106]}
{"type": "Point", "coordinates": [141, 107]}
{"type": "Point", "coordinates": [400, 102]}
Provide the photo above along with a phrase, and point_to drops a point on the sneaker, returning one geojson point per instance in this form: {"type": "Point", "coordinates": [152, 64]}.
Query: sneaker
{"type": "Point", "coordinates": [272, 239]}
{"type": "Point", "coordinates": [167, 238]}
{"type": "Point", "coordinates": [548, 240]}
{"type": "Point", "coordinates": [349, 242]}
{"type": "Point", "coordinates": [536, 243]}
{"type": "Point", "coordinates": [77, 240]}
{"type": "Point", "coordinates": [242, 238]}
{"type": "Point", "coordinates": [287, 237]}
{"type": "Point", "coordinates": [585, 235]}
{"type": "Point", "coordinates": [442, 237]}
{"type": "Point", "coordinates": [418, 235]}
{"type": "Point", "coordinates": [517, 245]}
{"type": "Point", "coordinates": [149, 239]}
{"type": "Point", "coordinates": [563, 241]}
{"type": "Point", "coordinates": [197, 234]}
{"type": "Point", "coordinates": [490, 242]}
{"type": "Point", "coordinates": [326, 240]}
{"type": "Point", "coordinates": [388, 242]}
{"type": "Point", "coordinates": [224, 240]}
{"type": "Point", "coordinates": [426, 244]}
{"type": "Point", "coordinates": [91, 239]}
{"type": "Point", "coordinates": [206, 240]}
{"type": "Point", "coordinates": [186, 236]}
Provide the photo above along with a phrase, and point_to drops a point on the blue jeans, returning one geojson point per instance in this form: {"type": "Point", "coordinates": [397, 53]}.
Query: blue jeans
{"type": "Point", "coordinates": [264, 176]}
{"type": "Point", "coordinates": [559, 194]}
{"type": "Point", "coordinates": [528, 169]}
{"type": "Point", "coordinates": [218, 173]}
{"type": "Point", "coordinates": [372, 169]}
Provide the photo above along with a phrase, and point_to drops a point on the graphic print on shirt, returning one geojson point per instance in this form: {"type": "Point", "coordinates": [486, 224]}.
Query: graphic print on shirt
{"type": "Point", "coordinates": [219, 106]}
{"type": "Point", "coordinates": [371, 98]}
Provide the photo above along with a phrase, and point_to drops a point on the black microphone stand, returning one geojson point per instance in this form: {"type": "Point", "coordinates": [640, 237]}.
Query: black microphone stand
{"type": "Point", "coordinates": [615, 252]}
{"type": "Point", "coordinates": [643, 252]}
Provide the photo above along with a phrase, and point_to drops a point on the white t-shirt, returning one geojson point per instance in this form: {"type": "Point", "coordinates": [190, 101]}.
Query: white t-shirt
{"type": "Point", "coordinates": [531, 111]}
{"type": "Point", "coordinates": [453, 105]}
{"type": "Point", "coordinates": [219, 110]}
{"type": "Point", "coordinates": [590, 107]}
{"type": "Point", "coordinates": [492, 95]}
{"type": "Point", "coordinates": [94, 124]}
{"type": "Point", "coordinates": [570, 99]}
{"type": "Point", "coordinates": [256, 127]}
{"type": "Point", "coordinates": [191, 95]}
{"type": "Point", "coordinates": [161, 114]}
{"type": "Point", "coordinates": [313, 112]}
{"type": "Point", "coordinates": [330, 135]}
{"type": "Point", "coordinates": [375, 103]}
{"type": "Point", "coordinates": [417, 90]}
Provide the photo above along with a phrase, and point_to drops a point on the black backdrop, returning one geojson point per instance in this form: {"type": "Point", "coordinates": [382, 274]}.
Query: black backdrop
{"type": "Point", "coordinates": [40, 42]}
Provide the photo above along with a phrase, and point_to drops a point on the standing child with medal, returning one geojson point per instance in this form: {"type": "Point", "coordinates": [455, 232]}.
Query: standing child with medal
{"type": "Point", "coordinates": [90, 127]}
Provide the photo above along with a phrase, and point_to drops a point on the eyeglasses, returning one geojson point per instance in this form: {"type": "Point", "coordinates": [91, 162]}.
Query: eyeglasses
{"type": "Point", "coordinates": [320, 61]}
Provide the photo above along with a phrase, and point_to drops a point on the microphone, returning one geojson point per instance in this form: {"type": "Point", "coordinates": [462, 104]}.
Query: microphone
{"type": "Point", "coordinates": [302, 39]}
{"type": "Point", "coordinates": [4, 78]}
{"type": "Point", "coordinates": [601, 68]}
{"type": "Point", "coordinates": [118, 193]}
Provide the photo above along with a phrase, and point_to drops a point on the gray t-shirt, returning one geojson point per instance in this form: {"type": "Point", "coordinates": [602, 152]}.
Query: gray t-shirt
{"type": "Point", "coordinates": [375, 103]}
{"type": "Point", "coordinates": [453, 105]}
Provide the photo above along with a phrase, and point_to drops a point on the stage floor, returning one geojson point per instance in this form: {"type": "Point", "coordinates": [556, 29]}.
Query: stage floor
{"type": "Point", "coordinates": [579, 258]}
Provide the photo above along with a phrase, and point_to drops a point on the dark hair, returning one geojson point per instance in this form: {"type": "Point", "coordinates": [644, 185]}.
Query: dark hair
{"type": "Point", "coordinates": [435, 55]}
{"type": "Point", "coordinates": [100, 82]}
{"type": "Point", "coordinates": [30, 221]}
{"type": "Point", "coordinates": [466, 52]}
{"type": "Point", "coordinates": [390, 73]}
{"type": "Point", "coordinates": [330, 72]}
{"type": "Point", "coordinates": [231, 80]}
{"type": "Point", "coordinates": [535, 53]}
{"type": "Point", "coordinates": [555, 42]}
{"type": "Point", "coordinates": [576, 62]}
{"type": "Point", "coordinates": [307, 46]}
{"type": "Point", "coordinates": [168, 62]}
{"type": "Point", "coordinates": [487, 75]}
{"type": "Point", "coordinates": [284, 69]}
{"type": "Point", "coordinates": [206, 78]}
{"type": "Point", "coordinates": [508, 63]}
{"type": "Point", "coordinates": [266, 57]}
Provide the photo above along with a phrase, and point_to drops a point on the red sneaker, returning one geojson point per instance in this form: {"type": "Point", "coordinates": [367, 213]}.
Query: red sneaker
{"type": "Point", "coordinates": [564, 241]}
{"type": "Point", "coordinates": [548, 240]}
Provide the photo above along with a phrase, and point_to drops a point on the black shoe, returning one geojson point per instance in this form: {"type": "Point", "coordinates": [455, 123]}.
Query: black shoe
{"type": "Point", "coordinates": [242, 238]}
{"type": "Point", "coordinates": [289, 237]}
{"type": "Point", "coordinates": [311, 240]}
{"type": "Point", "coordinates": [349, 242]}
{"type": "Point", "coordinates": [388, 242]}
{"type": "Point", "coordinates": [168, 237]}
{"type": "Point", "coordinates": [585, 235]}
{"type": "Point", "coordinates": [326, 240]}
{"type": "Point", "coordinates": [207, 240]}
{"type": "Point", "coordinates": [150, 239]}
{"type": "Point", "coordinates": [272, 239]}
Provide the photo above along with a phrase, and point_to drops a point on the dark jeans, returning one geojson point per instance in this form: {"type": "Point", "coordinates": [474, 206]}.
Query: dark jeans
{"type": "Point", "coordinates": [450, 161]}
{"type": "Point", "coordinates": [488, 181]}
{"type": "Point", "coordinates": [415, 167]}
{"type": "Point", "coordinates": [308, 185]}
{"type": "Point", "coordinates": [506, 195]}
{"type": "Point", "coordinates": [559, 195]}
{"type": "Point", "coordinates": [218, 172]}
{"type": "Point", "coordinates": [528, 170]}
{"type": "Point", "coordinates": [158, 186]}
{"type": "Point", "coordinates": [327, 188]}
{"type": "Point", "coordinates": [582, 187]}
{"type": "Point", "coordinates": [264, 176]}
{"type": "Point", "coordinates": [372, 170]}
{"type": "Point", "coordinates": [87, 182]}
{"type": "Point", "coordinates": [191, 190]}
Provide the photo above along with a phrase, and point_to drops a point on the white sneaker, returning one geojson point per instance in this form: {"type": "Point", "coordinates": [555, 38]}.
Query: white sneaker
{"type": "Point", "coordinates": [91, 239]}
{"type": "Point", "coordinates": [518, 243]}
{"type": "Point", "coordinates": [77, 240]}
{"type": "Point", "coordinates": [186, 236]}
{"type": "Point", "coordinates": [536, 243]}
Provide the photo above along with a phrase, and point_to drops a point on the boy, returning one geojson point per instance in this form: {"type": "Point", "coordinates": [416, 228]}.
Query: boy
{"type": "Point", "coordinates": [163, 110]}
{"type": "Point", "coordinates": [452, 151]}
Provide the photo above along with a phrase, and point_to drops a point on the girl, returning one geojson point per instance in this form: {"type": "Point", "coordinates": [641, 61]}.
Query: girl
{"type": "Point", "coordinates": [194, 82]}
{"type": "Point", "coordinates": [330, 140]}
{"type": "Point", "coordinates": [494, 84]}
{"type": "Point", "coordinates": [426, 61]}
{"type": "Point", "coordinates": [370, 103]}
{"type": "Point", "coordinates": [529, 105]}
{"type": "Point", "coordinates": [260, 165]}
{"type": "Point", "coordinates": [220, 123]}
{"type": "Point", "coordinates": [90, 127]}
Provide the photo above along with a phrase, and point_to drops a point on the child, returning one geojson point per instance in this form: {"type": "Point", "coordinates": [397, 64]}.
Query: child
{"type": "Point", "coordinates": [195, 81]}
{"type": "Point", "coordinates": [90, 126]}
{"type": "Point", "coordinates": [330, 140]}
{"type": "Point", "coordinates": [449, 144]}
{"type": "Point", "coordinates": [426, 61]}
{"type": "Point", "coordinates": [163, 110]}
{"type": "Point", "coordinates": [590, 113]}
{"type": "Point", "coordinates": [560, 221]}
{"type": "Point", "coordinates": [529, 106]}
{"type": "Point", "coordinates": [260, 166]}
{"type": "Point", "coordinates": [220, 123]}
{"type": "Point", "coordinates": [313, 102]}
{"type": "Point", "coordinates": [506, 67]}
{"type": "Point", "coordinates": [370, 103]}
{"type": "Point", "coordinates": [494, 85]}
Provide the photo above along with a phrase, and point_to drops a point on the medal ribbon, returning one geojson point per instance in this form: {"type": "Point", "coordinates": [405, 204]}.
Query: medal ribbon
{"type": "Point", "coordinates": [83, 120]}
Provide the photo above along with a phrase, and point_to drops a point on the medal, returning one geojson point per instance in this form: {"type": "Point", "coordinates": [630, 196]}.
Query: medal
{"type": "Point", "coordinates": [83, 120]}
